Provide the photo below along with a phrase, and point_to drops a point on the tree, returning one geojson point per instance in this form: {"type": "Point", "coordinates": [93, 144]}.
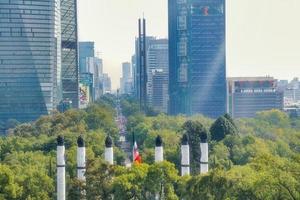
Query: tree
{"type": "Point", "coordinates": [161, 180]}
{"type": "Point", "coordinates": [222, 127]}
{"type": "Point", "coordinates": [9, 189]}
{"type": "Point", "coordinates": [194, 130]}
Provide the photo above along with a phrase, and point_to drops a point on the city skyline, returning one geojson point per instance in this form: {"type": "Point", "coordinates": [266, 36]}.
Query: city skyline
{"type": "Point", "coordinates": [268, 30]}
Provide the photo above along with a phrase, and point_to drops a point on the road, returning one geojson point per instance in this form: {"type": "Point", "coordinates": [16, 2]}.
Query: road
{"type": "Point", "coordinates": [124, 144]}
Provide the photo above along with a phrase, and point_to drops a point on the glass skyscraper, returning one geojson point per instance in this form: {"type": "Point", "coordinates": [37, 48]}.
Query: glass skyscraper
{"type": "Point", "coordinates": [70, 69]}
{"type": "Point", "coordinates": [30, 58]}
{"type": "Point", "coordinates": [197, 57]}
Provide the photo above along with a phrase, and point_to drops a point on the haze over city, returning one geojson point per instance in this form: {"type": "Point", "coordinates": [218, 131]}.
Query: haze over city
{"type": "Point", "coordinates": [261, 39]}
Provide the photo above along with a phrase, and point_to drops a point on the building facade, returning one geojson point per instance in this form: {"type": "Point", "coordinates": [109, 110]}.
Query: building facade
{"type": "Point", "coordinates": [160, 88]}
{"type": "Point", "coordinates": [126, 81]}
{"type": "Point", "coordinates": [197, 57]}
{"type": "Point", "coordinates": [86, 50]}
{"type": "Point", "coordinates": [106, 84]}
{"type": "Point", "coordinates": [157, 61]}
{"type": "Point", "coordinates": [69, 45]}
{"type": "Point", "coordinates": [249, 95]}
{"type": "Point", "coordinates": [30, 59]}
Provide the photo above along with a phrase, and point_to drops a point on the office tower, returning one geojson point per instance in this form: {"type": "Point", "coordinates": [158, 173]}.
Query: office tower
{"type": "Point", "coordinates": [159, 94]}
{"type": "Point", "coordinates": [157, 59]}
{"type": "Point", "coordinates": [106, 84]}
{"type": "Point", "coordinates": [94, 66]}
{"type": "Point", "coordinates": [197, 57]}
{"type": "Point", "coordinates": [157, 64]}
{"type": "Point", "coordinates": [141, 64]}
{"type": "Point", "coordinates": [70, 71]}
{"type": "Point", "coordinates": [134, 77]}
{"type": "Point", "coordinates": [249, 95]}
{"type": "Point", "coordinates": [86, 50]}
{"type": "Point", "coordinates": [30, 59]}
{"type": "Point", "coordinates": [126, 79]}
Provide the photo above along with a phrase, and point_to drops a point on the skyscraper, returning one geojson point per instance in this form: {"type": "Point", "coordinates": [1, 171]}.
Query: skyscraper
{"type": "Point", "coordinates": [157, 61]}
{"type": "Point", "coordinates": [86, 50]}
{"type": "Point", "coordinates": [70, 71]}
{"type": "Point", "coordinates": [30, 59]}
{"type": "Point", "coordinates": [141, 71]}
{"type": "Point", "coordinates": [126, 80]}
{"type": "Point", "coordinates": [197, 57]}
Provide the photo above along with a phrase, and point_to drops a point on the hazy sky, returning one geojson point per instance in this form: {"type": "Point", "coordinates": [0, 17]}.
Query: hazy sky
{"type": "Point", "coordinates": [263, 36]}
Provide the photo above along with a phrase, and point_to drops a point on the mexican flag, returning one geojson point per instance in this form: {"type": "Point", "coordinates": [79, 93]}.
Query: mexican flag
{"type": "Point", "coordinates": [137, 159]}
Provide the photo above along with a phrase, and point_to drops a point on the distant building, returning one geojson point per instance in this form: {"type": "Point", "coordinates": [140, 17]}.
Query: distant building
{"type": "Point", "coordinates": [106, 84]}
{"type": "Point", "coordinates": [88, 63]}
{"type": "Point", "coordinates": [94, 66]}
{"type": "Point", "coordinates": [69, 52]}
{"type": "Point", "coordinates": [86, 50]}
{"type": "Point", "coordinates": [197, 50]}
{"type": "Point", "coordinates": [249, 95]}
{"type": "Point", "coordinates": [86, 89]}
{"type": "Point", "coordinates": [126, 81]}
{"type": "Point", "coordinates": [157, 59]}
{"type": "Point", "coordinates": [141, 45]}
{"type": "Point", "coordinates": [134, 75]}
{"type": "Point", "coordinates": [160, 84]}
{"type": "Point", "coordinates": [30, 59]}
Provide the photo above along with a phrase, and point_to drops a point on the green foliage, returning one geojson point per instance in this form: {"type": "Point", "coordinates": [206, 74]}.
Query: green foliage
{"type": "Point", "coordinates": [194, 129]}
{"type": "Point", "coordinates": [222, 127]}
{"type": "Point", "coordinates": [261, 162]}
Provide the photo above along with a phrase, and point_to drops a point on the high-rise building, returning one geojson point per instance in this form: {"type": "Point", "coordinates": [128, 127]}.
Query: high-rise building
{"type": "Point", "coordinates": [70, 71]}
{"type": "Point", "coordinates": [134, 77]}
{"type": "Point", "coordinates": [94, 66]}
{"type": "Point", "coordinates": [126, 79]}
{"type": "Point", "coordinates": [157, 61]}
{"type": "Point", "coordinates": [106, 84]}
{"type": "Point", "coordinates": [159, 96]}
{"type": "Point", "coordinates": [30, 58]}
{"type": "Point", "coordinates": [86, 50]}
{"type": "Point", "coordinates": [249, 95]}
{"type": "Point", "coordinates": [197, 57]}
{"type": "Point", "coordinates": [156, 54]}
{"type": "Point", "coordinates": [141, 70]}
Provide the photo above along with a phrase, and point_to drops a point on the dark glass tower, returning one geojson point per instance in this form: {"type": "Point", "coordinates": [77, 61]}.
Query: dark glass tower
{"type": "Point", "coordinates": [70, 63]}
{"type": "Point", "coordinates": [197, 57]}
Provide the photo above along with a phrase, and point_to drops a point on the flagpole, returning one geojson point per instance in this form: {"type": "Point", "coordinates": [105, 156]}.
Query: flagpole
{"type": "Point", "coordinates": [133, 142]}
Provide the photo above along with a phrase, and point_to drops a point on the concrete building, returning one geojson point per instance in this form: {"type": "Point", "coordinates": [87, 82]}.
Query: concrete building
{"type": "Point", "coordinates": [249, 95]}
{"type": "Point", "coordinates": [197, 57]}
{"type": "Point", "coordinates": [30, 58]}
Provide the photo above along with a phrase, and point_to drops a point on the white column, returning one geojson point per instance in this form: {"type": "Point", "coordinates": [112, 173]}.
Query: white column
{"type": "Point", "coordinates": [61, 177]}
{"type": "Point", "coordinates": [185, 156]}
{"type": "Point", "coordinates": [159, 150]}
{"type": "Point", "coordinates": [109, 151]}
{"type": "Point", "coordinates": [81, 160]}
{"type": "Point", "coordinates": [204, 157]}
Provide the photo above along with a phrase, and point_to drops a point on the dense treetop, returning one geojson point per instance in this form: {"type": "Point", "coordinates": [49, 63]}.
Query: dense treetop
{"type": "Point", "coordinates": [256, 158]}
